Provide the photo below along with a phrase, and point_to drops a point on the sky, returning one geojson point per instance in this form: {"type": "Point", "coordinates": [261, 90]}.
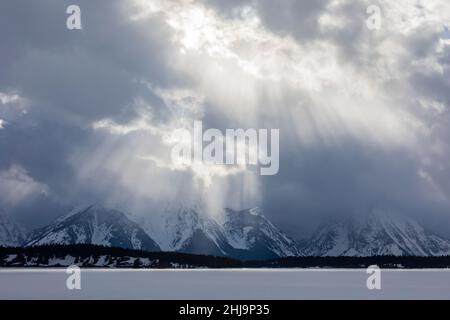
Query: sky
{"type": "Point", "coordinates": [86, 115]}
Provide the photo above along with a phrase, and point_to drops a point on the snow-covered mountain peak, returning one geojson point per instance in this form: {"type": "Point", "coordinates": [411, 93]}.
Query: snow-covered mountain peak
{"type": "Point", "coordinates": [243, 234]}
{"type": "Point", "coordinates": [97, 225]}
{"type": "Point", "coordinates": [174, 226]}
{"type": "Point", "coordinates": [378, 232]}
{"type": "Point", "coordinates": [77, 210]}
{"type": "Point", "coordinates": [249, 229]}
{"type": "Point", "coordinates": [256, 211]}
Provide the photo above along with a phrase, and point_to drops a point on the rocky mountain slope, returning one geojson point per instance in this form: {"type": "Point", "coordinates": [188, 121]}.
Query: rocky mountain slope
{"type": "Point", "coordinates": [94, 225]}
{"type": "Point", "coordinates": [376, 233]}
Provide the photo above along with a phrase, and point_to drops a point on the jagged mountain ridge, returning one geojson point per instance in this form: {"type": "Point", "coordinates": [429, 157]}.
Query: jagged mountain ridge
{"type": "Point", "coordinates": [94, 225]}
{"type": "Point", "coordinates": [244, 234]}
{"type": "Point", "coordinates": [250, 230]}
{"type": "Point", "coordinates": [376, 233]}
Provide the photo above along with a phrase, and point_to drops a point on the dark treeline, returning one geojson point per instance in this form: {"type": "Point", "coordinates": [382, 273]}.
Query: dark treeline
{"type": "Point", "coordinates": [406, 262]}
{"type": "Point", "coordinates": [116, 256]}
{"type": "Point", "coordinates": [89, 256]}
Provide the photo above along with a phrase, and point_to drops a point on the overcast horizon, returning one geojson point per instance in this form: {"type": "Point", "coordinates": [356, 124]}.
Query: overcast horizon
{"type": "Point", "coordinates": [86, 115]}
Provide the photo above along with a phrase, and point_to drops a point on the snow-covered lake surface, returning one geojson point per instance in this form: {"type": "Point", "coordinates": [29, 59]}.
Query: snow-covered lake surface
{"type": "Point", "coordinates": [224, 284]}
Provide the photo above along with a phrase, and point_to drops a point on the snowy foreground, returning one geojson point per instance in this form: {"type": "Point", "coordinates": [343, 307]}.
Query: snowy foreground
{"type": "Point", "coordinates": [224, 284]}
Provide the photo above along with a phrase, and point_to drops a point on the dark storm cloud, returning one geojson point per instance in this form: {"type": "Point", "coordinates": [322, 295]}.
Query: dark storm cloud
{"type": "Point", "coordinates": [299, 18]}
{"type": "Point", "coordinates": [89, 72]}
{"type": "Point", "coordinates": [350, 178]}
{"type": "Point", "coordinates": [72, 79]}
{"type": "Point", "coordinates": [287, 17]}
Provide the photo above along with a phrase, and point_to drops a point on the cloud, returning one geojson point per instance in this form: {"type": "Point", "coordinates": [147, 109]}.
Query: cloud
{"type": "Point", "coordinates": [16, 186]}
{"type": "Point", "coordinates": [9, 98]}
{"type": "Point", "coordinates": [12, 108]}
{"type": "Point", "coordinates": [363, 114]}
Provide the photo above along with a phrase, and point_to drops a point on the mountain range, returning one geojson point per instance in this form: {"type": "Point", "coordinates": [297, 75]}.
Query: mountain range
{"type": "Point", "coordinates": [244, 234]}
{"type": "Point", "coordinates": [374, 234]}
{"type": "Point", "coordinates": [240, 234]}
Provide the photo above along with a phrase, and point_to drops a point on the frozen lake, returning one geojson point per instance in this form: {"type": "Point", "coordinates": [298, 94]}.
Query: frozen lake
{"type": "Point", "coordinates": [224, 284]}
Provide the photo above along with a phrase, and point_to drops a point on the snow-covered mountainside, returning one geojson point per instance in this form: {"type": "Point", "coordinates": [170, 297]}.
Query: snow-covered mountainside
{"type": "Point", "coordinates": [174, 226]}
{"type": "Point", "coordinates": [377, 233]}
{"type": "Point", "coordinates": [94, 225]}
{"type": "Point", "coordinates": [11, 234]}
{"type": "Point", "coordinates": [243, 234]}
{"type": "Point", "coordinates": [250, 231]}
